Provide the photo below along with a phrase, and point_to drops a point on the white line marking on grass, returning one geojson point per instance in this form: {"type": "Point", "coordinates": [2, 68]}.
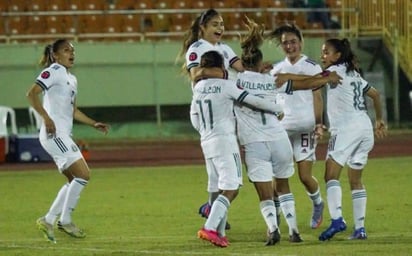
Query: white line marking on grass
{"type": "Point", "coordinates": [128, 251]}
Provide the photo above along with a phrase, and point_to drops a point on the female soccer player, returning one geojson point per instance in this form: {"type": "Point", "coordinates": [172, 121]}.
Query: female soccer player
{"type": "Point", "coordinates": [303, 113]}
{"type": "Point", "coordinates": [59, 89]}
{"type": "Point", "coordinates": [268, 152]}
{"type": "Point", "coordinates": [352, 135]}
{"type": "Point", "coordinates": [204, 35]}
{"type": "Point", "coordinates": [212, 115]}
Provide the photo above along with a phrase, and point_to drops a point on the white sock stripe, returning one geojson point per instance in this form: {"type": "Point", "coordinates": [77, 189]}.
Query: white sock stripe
{"type": "Point", "coordinates": [81, 181]}
{"type": "Point", "coordinates": [266, 203]}
{"type": "Point", "coordinates": [286, 198]}
{"type": "Point", "coordinates": [332, 183]}
{"type": "Point", "coordinates": [223, 200]}
{"type": "Point", "coordinates": [358, 195]}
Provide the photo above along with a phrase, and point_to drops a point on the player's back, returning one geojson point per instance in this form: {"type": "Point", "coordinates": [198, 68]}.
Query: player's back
{"type": "Point", "coordinates": [213, 101]}
{"type": "Point", "coordinates": [346, 103]}
{"type": "Point", "coordinates": [256, 125]}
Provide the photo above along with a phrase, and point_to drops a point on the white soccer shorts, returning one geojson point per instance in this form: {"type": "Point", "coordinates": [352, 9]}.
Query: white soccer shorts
{"type": "Point", "coordinates": [63, 150]}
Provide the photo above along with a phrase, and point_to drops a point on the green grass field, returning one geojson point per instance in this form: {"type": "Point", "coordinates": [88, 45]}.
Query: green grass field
{"type": "Point", "coordinates": [153, 211]}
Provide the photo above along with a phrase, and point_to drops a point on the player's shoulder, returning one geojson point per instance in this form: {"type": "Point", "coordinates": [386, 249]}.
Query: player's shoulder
{"type": "Point", "coordinates": [310, 61]}
{"type": "Point", "coordinates": [52, 71]}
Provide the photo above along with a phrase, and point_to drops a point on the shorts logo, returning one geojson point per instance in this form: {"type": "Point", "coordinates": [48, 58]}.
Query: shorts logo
{"type": "Point", "coordinates": [75, 148]}
{"type": "Point", "coordinates": [192, 56]}
{"type": "Point", "coordinates": [45, 75]}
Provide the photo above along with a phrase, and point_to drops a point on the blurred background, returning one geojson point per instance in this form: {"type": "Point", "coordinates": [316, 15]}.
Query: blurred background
{"type": "Point", "coordinates": [126, 51]}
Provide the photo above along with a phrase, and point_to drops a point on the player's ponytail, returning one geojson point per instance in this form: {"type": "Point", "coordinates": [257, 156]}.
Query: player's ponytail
{"type": "Point", "coordinates": [47, 58]}
{"type": "Point", "coordinates": [250, 44]}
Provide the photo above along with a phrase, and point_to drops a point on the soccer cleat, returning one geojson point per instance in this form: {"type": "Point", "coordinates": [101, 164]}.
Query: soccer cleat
{"type": "Point", "coordinates": [71, 230]}
{"type": "Point", "coordinates": [359, 234]}
{"type": "Point", "coordinates": [204, 212]}
{"type": "Point", "coordinates": [336, 226]}
{"type": "Point", "coordinates": [295, 238]}
{"type": "Point", "coordinates": [224, 241]}
{"type": "Point", "coordinates": [213, 237]}
{"type": "Point", "coordinates": [273, 238]}
{"type": "Point", "coordinates": [317, 215]}
{"type": "Point", "coordinates": [46, 228]}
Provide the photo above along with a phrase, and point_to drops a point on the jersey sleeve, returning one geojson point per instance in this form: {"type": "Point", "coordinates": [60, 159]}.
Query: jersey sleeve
{"type": "Point", "coordinates": [46, 78]}
{"type": "Point", "coordinates": [231, 55]}
{"type": "Point", "coordinates": [242, 96]}
{"type": "Point", "coordinates": [193, 55]}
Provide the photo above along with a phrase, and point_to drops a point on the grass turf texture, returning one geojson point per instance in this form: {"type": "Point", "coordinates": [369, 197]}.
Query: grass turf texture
{"type": "Point", "coordinates": [153, 211]}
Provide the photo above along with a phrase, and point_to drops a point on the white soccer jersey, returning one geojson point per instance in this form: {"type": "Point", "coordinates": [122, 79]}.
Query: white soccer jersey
{"type": "Point", "coordinates": [59, 90]}
{"type": "Point", "coordinates": [198, 48]}
{"type": "Point", "coordinates": [213, 103]}
{"type": "Point", "coordinates": [346, 105]}
{"type": "Point", "coordinates": [255, 125]}
{"type": "Point", "coordinates": [298, 105]}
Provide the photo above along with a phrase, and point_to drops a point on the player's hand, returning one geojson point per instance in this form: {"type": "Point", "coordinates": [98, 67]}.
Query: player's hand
{"type": "Point", "coordinates": [280, 79]}
{"type": "Point", "coordinates": [104, 128]}
{"type": "Point", "coordinates": [280, 115]}
{"type": "Point", "coordinates": [381, 130]}
{"type": "Point", "coordinates": [334, 78]}
{"type": "Point", "coordinates": [50, 127]}
{"type": "Point", "coordinates": [319, 130]}
{"type": "Point", "coordinates": [266, 67]}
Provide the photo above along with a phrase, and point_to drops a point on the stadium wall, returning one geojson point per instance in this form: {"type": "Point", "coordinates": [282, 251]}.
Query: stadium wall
{"type": "Point", "coordinates": [114, 74]}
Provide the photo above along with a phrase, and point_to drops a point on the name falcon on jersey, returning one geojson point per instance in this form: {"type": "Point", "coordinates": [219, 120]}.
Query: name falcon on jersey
{"type": "Point", "coordinates": [256, 86]}
{"type": "Point", "coordinates": [211, 89]}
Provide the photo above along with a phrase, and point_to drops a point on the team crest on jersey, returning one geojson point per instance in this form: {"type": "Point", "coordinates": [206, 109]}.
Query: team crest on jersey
{"type": "Point", "coordinates": [75, 148]}
{"type": "Point", "coordinates": [45, 74]}
{"type": "Point", "coordinates": [192, 56]}
{"type": "Point", "coordinates": [225, 55]}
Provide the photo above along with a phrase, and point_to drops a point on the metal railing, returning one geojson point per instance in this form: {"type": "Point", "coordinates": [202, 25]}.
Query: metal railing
{"type": "Point", "coordinates": [390, 20]}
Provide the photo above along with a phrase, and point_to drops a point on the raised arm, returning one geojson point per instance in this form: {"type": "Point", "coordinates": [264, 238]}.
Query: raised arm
{"type": "Point", "coordinates": [260, 103]}
{"type": "Point", "coordinates": [304, 82]}
{"type": "Point", "coordinates": [197, 73]}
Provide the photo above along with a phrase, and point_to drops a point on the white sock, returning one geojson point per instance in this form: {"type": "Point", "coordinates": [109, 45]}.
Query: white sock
{"type": "Point", "coordinates": [277, 205]}
{"type": "Point", "coordinates": [57, 205]}
{"type": "Point", "coordinates": [359, 207]}
{"type": "Point", "coordinates": [268, 210]}
{"type": "Point", "coordinates": [221, 228]}
{"type": "Point", "coordinates": [218, 212]}
{"type": "Point", "coordinates": [72, 197]}
{"type": "Point", "coordinates": [315, 197]}
{"type": "Point", "coordinates": [287, 203]}
{"type": "Point", "coordinates": [334, 197]}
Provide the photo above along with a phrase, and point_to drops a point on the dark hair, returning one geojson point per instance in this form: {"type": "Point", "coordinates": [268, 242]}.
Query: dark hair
{"type": "Point", "coordinates": [47, 58]}
{"type": "Point", "coordinates": [285, 28]}
{"type": "Point", "coordinates": [193, 34]}
{"type": "Point", "coordinates": [346, 54]}
{"type": "Point", "coordinates": [211, 59]}
{"type": "Point", "coordinates": [250, 44]}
